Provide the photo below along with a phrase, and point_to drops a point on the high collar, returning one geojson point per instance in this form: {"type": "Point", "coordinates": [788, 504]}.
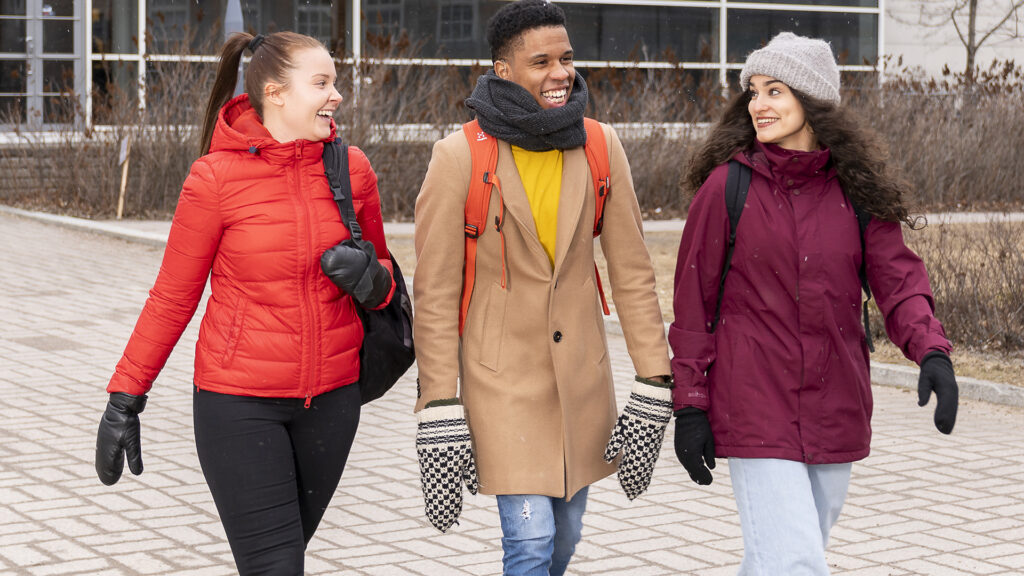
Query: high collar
{"type": "Point", "coordinates": [240, 128]}
{"type": "Point", "coordinates": [789, 168]}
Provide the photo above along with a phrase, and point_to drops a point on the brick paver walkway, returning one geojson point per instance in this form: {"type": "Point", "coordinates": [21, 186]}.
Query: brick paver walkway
{"type": "Point", "coordinates": [921, 504]}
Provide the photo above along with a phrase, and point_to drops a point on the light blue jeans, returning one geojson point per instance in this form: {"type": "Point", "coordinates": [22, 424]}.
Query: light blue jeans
{"type": "Point", "coordinates": [787, 510]}
{"type": "Point", "coordinates": [540, 533]}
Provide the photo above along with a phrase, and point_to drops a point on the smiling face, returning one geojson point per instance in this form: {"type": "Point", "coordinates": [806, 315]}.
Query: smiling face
{"type": "Point", "coordinates": [302, 107]}
{"type": "Point", "coordinates": [778, 116]}
{"type": "Point", "coordinates": [541, 62]}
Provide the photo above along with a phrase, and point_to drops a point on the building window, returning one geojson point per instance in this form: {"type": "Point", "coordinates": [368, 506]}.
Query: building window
{"type": "Point", "coordinates": [184, 26]}
{"type": "Point", "coordinates": [643, 33]}
{"type": "Point", "coordinates": [857, 3]}
{"type": "Point", "coordinates": [383, 17]}
{"type": "Point", "coordinates": [854, 36]}
{"type": "Point", "coordinates": [115, 26]}
{"type": "Point", "coordinates": [314, 19]}
{"type": "Point", "coordinates": [456, 20]}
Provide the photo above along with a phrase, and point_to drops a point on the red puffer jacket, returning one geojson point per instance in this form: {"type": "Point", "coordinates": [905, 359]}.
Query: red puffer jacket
{"type": "Point", "coordinates": [255, 215]}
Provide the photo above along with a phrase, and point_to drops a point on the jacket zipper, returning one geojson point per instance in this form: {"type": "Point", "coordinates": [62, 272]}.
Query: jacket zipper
{"type": "Point", "coordinates": [304, 286]}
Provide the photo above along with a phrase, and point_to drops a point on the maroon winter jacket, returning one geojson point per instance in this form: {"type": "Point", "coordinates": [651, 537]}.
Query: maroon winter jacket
{"type": "Point", "coordinates": [785, 373]}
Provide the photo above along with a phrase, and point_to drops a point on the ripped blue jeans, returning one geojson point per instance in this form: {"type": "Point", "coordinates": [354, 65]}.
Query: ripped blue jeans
{"type": "Point", "coordinates": [539, 533]}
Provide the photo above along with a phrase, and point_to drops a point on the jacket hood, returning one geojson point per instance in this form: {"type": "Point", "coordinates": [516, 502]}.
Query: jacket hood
{"type": "Point", "coordinates": [240, 128]}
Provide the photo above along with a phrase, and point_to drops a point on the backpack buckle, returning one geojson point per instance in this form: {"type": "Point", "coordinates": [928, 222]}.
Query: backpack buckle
{"type": "Point", "coordinates": [472, 231]}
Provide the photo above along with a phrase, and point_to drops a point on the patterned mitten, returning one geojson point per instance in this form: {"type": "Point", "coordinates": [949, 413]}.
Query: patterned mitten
{"type": "Point", "coordinates": [446, 461]}
{"type": "Point", "coordinates": [639, 433]}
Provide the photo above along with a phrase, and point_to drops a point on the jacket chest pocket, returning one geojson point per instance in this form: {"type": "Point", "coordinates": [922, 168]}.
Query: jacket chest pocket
{"type": "Point", "coordinates": [491, 334]}
{"type": "Point", "coordinates": [234, 333]}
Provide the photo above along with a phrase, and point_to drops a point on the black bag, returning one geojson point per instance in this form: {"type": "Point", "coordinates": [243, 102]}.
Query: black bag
{"type": "Point", "coordinates": [387, 351]}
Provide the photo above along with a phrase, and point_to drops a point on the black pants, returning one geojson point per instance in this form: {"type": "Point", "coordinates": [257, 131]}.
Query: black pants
{"type": "Point", "coordinates": [272, 467]}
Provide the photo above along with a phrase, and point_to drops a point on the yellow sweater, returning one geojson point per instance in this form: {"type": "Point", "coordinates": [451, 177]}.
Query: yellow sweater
{"type": "Point", "coordinates": [541, 173]}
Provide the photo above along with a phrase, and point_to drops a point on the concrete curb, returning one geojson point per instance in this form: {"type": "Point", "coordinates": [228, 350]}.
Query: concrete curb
{"type": "Point", "coordinates": [117, 231]}
{"type": "Point", "coordinates": [884, 374]}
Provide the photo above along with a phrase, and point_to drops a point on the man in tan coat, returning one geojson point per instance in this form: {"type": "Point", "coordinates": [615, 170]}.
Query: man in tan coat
{"type": "Point", "coordinates": [536, 384]}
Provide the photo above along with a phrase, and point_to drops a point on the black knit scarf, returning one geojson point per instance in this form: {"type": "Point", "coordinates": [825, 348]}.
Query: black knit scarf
{"type": "Point", "coordinates": [508, 112]}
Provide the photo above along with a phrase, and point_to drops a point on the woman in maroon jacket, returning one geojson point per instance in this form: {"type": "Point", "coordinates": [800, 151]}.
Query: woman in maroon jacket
{"type": "Point", "coordinates": [276, 400]}
{"type": "Point", "coordinates": [775, 375]}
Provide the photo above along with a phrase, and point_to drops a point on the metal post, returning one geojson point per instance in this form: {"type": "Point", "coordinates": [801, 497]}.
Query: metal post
{"type": "Point", "coordinates": [357, 47]}
{"type": "Point", "coordinates": [233, 22]}
{"type": "Point", "coordinates": [87, 73]}
{"type": "Point", "coordinates": [142, 55]}
{"type": "Point", "coordinates": [723, 47]}
{"type": "Point", "coordinates": [881, 41]}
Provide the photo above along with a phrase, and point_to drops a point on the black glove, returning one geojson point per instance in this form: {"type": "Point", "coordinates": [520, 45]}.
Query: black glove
{"type": "Point", "coordinates": [694, 444]}
{"type": "Point", "coordinates": [353, 267]}
{"type": "Point", "coordinates": [119, 435]}
{"type": "Point", "coordinates": [937, 374]}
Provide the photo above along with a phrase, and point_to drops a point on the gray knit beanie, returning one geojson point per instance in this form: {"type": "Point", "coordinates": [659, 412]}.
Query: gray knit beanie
{"type": "Point", "coordinates": [803, 64]}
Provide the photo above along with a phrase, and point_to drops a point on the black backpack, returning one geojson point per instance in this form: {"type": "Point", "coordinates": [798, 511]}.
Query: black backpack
{"type": "Point", "coordinates": [737, 184]}
{"type": "Point", "coordinates": [387, 351]}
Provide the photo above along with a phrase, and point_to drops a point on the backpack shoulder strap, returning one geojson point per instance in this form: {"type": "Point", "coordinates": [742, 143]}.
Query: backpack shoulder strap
{"type": "Point", "coordinates": [335, 157]}
{"type": "Point", "coordinates": [596, 149]}
{"type": "Point", "coordinates": [737, 184]}
{"type": "Point", "coordinates": [483, 150]}
{"type": "Point", "coordinates": [600, 169]}
{"type": "Point", "coordinates": [863, 219]}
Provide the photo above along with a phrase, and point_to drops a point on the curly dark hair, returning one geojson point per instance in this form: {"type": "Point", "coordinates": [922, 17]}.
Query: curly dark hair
{"type": "Point", "coordinates": [858, 154]}
{"type": "Point", "coordinates": [506, 27]}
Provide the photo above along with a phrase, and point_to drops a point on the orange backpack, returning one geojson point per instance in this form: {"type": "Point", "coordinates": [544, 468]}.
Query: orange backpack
{"type": "Point", "coordinates": [484, 153]}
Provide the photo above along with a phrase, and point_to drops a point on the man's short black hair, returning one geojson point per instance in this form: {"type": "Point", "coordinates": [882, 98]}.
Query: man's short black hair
{"type": "Point", "coordinates": [507, 25]}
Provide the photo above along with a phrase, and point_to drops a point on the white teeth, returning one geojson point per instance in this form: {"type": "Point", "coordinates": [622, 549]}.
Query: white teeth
{"type": "Point", "coordinates": [555, 95]}
{"type": "Point", "coordinates": [324, 113]}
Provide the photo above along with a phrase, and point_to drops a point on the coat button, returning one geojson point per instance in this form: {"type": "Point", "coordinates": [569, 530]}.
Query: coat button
{"type": "Point", "coordinates": [557, 336]}
{"type": "Point", "coordinates": [796, 192]}
{"type": "Point", "coordinates": [789, 182]}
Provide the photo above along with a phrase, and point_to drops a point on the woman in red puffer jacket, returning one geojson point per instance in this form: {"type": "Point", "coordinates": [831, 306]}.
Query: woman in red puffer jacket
{"type": "Point", "coordinates": [275, 408]}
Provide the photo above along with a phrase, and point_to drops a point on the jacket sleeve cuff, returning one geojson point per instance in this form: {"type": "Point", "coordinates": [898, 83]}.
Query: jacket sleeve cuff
{"type": "Point", "coordinates": [436, 413]}
{"type": "Point", "coordinates": [386, 263]}
{"type": "Point", "coordinates": [689, 390]}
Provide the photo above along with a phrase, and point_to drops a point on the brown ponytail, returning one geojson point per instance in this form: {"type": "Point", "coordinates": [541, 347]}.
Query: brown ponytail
{"type": "Point", "coordinates": [270, 63]}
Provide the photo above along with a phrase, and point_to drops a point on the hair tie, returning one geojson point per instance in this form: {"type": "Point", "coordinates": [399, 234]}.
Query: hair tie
{"type": "Point", "coordinates": [255, 42]}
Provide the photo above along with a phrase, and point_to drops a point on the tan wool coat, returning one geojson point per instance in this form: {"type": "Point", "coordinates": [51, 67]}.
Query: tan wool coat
{"type": "Point", "coordinates": [536, 380]}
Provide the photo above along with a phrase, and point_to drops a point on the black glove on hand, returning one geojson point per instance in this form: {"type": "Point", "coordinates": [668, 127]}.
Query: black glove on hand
{"type": "Point", "coordinates": [353, 267]}
{"type": "Point", "coordinates": [694, 444]}
{"type": "Point", "coordinates": [937, 374]}
{"type": "Point", "coordinates": [638, 435]}
{"type": "Point", "coordinates": [119, 435]}
{"type": "Point", "coordinates": [446, 462]}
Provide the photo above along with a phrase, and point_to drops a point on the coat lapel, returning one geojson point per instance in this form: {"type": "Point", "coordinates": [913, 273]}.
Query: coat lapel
{"type": "Point", "coordinates": [575, 174]}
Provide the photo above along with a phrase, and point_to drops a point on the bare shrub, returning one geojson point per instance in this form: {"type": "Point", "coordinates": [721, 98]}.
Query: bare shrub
{"type": "Point", "coordinates": [958, 144]}
{"type": "Point", "coordinates": [976, 272]}
{"type": "Point", "coordinates": [395, 111]}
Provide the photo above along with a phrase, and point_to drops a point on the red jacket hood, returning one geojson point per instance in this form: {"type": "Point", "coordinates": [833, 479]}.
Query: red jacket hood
{"type": "Point", "coordinates": [240, 128]}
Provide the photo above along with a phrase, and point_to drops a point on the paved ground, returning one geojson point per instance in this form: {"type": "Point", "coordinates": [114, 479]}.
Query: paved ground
{"type": "Point", "coordinates": [921, 504]}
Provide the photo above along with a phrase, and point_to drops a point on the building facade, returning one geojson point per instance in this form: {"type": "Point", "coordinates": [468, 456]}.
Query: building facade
{"type": "Point", "coordinates": [53, 49]}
